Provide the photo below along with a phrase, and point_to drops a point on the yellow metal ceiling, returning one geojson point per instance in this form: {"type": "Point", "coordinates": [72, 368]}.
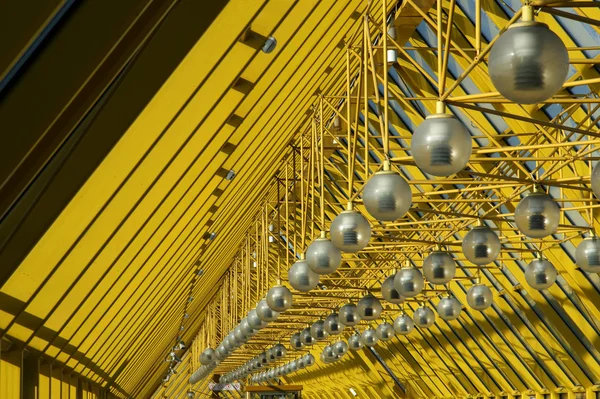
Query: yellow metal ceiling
{"type": "Point", "coordinates": [104, 290]}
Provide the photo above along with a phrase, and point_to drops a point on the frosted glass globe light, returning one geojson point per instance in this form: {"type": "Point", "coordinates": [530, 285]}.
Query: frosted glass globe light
{"type": "Point", "coordinates": [528, 63]}
{"type": "Point", "coordinates": [449, 308]}
{"type": "Point", "coordinates": [441, 145]}
{"type": "Point", "coordinates": [481, 245]}
{"type": "Point", "coordinates": [265, 313]}
{"type": "Point", "coordinates": [540, 274]}
{"type": "Point", "coordinates": [254, 321]}
{"type": "Point", "coordinates": [387, 196]}
{"type": "Point", "coordinates": [385, 331]}
{"type": "Point", "coordinates": [369, 337]}
{"type": "Point", "coordinates": [246, 329]}
{"type": "Point", "coordinates": [403, 324]}
{"type": "Point", "coordinates": [279, 298]}
{"type": "Point", "coordinates": [239, 335]}
{"type": "Point", "coordinates": [348, 315]}
{"type": "Point", "coordinates": [389, 292]}
{"type": "Point", "coordinates": [409, 282]}
{"type": "Point", "coordinates": [340, 348]}
{"type": "Point", "coordinates": [328, 353]}
{"type": "Point", "coordinates": [355, 342]}
{"type": "Point", "coordinates": [439, 267]}
{"type": "Point", "coordinates": [479, 297]}
{"type": "Point", "coordinates": [322, 256]}
{"type": "Point", "coordinates": [317, 330]}
{"type": "Point", "coordinates": [301, 277]}
{"type": "Point", "coordinates": [309, 359]}
{"type": "Point", "coordinates": [306, 337]}
{"type": "Point", "coordinates": [424, 317]}
{"type": "Point", "coordinates": [587, 255]}
{"type": "Point", "coordinates": [296, 342]}
{"type": "Point", "coordinates": [350, 231]}
{"type": "Point", "coordinates": [208, 356]}
{"type": "Point", "coordinates": [369, 308]}
{"type": "Point", "coordinates": [537, 215]}
{"type": "Point", "coordinates": [332, 324]}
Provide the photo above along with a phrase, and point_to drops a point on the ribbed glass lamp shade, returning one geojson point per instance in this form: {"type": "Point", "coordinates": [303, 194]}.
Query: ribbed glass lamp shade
{"type": "Point", "coordinates": [262, 358]}
{"type": "Point", "coordinates": [246, 329]}
{"type": "Point", "coordinates": [332, 324]}
{"type": "Point", "coordinates": [355, 342]}
{"type": "Point", "coordinates": [279, 298]}
{"type": "Point", "coordinates": [528, 63]}
{"type": "Point", "coordinates": [540, 274]}
{"type": "Point", "coordinates": [229, 343]}
{"type": "Point", "coordinates": [309, 359]}
{"type": "Point", "coordinates": [387, 196]}
{"type": "Point", "coordinates": [296, 342]}
{"type": "Point", "coordinates": [254, 321]}
{"type": "Point", "coordinates": [265, 313]}
{"type": "Point", "coordinates": [441, 145]}
{"type": "Point", "coordinates": [301, 277]}
{"type": "Point", "coordinates": [403, 324]}
{"type": "Point", "coordinates": [385, 331]}
{"type": "Point", "coordinates": [409, 282]}
{"type": "Point", "coordinates": [279, 351]}
{"type": "Point", "coordinates": [350, 231]}
{"type": "Point", "coordinates": [479, 297]}
{"type": "Point", "coordinates": [270, 355]}
{"type": "Point", "coordinates": [449, 308]}
{"type": "Point", "coordinates": [369, 337]}
{"type": "Point", "coordinates": [306, 337]}
{"type": "Point", "coordinates": [208, 356]}
{"type": "Point", "coordinates": [348, 315]}
{"type": "Point", "coordinates": [587, 255]}
{"type": "Point", "coordinates": [439, 267]}
{"type": "Point", "coordinates": [424, 317]}
{"type": "Point", "coordinates": [323, 257]}
{"type": "Point", "coordinates": [481, 245]}
{"type": "Point", "coordinates": [369, 308]}
{"type": "Point", "coordinates": [340, 348]}
{"type": "Point", "coordinates": [328, 353]}
{"type": "Point", "coordinates": [221, 352]}
{"type": "Point", "coordinates": [537, 215]}
{"type": "Point", "coordinates": [389, 292]}
{"type": "Point", "coordinates": [317, 330]}
{"type": "Point", "coordinates": [239, 335]}
{"type": "Point", "coordinates": [301, 363]}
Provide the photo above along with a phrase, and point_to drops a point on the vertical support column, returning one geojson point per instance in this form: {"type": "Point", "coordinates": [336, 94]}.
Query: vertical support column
{"type": "Point", "coordinates": [31, 376]}
{"type": "Point", "coordinates": [44, 380]}
{"type": "Point", "coordinates": [10, 373]}
{"type": "Point", "coordinates": [55, 381]}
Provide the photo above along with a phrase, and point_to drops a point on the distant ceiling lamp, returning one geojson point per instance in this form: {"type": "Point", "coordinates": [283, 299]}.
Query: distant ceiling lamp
{"type": "Point", "coordinates": [424, 317]}
{"type": "Point", "coordinates": [528, 63]}
{"type": "Point", "coordinates": [254, 321]}
{"type": "Point", "coordinates": [348, 315]}
{"type": "Point", "coordinates": [306, 337]}
{"type": "Point", "coordinates": [387, 195]}
{"type": "Point", "coordinates": [279, 298]}
{"type": "Point", "coordinates": [328, 353]}
{"type": "Point", "coordinates": [369, 337]}
{"type": "Point", "coordinates": [317, 330]}
{"type": "Point", "coordinates": [269, 45]}
{"type": "Point", "coordinates": [279, 351]}
{"type": "Point", "coordinates": [332, 324]}
{"type": "Point", "coordinates": [353, 392]}
{"type": "Point", "coordinates": [540, 274]}
{"type": "Point", "coordinates": [369, 308]}
{"type": "Point", "coordinates": [409, 282]}
{"type": "Point", "coordinates": [301, 277]}
{"type": "Point", "coordinates": [239, 335]}
{"type": "Point", "coordinates": [479, 297]}
{"type": "Point", "coordinates": [596, 180]}
{"type": "Point", "coordinates": [230, 175]}
{"type": "Point", "coordinates": [207, 357]}
{"type": "Point", "coordinates": [221, 352]}
{"type": "Point", "coordinates": [309, 359]}
{"type": "Point", "coordinates": [265, 313]}
{"type": "Point", "coordinates": [336, 124]}
{"type": "Point", "coordinates": [385, 331]}
{"type": "Point", "coordinates": [439, 267]}
{"type": "Point", "coordinates": [481, 245]}
{"type": "Point", "coordinates": [246, 328]}
{"type": "Point", "coordinates": [392, 53]}
{"type": "Point", "coordinates": [354, 342]}
{"type": "Point", "coordinates": [191, 395]}
{"type": "Point", "coordinates": [322, 256]}
{"type": "Point", "coordinates": [389, 291]}
{"type": "Point", "coordinates": [350, 231]}
{"type": "Point", "coordinates": [449, 308]}
{"type": "Point", "coordinates": [537, 215]}
{"type": "Point", "coordinates": [296, 342]}
{"type": "Point", "coordinates": [441, 145]}
{"type": "Point", "coordinates": [403, 324]}
{"type": "Point", "coordinates": [340, 348]}
{"type": "Point", "coordinates": [587, 255]}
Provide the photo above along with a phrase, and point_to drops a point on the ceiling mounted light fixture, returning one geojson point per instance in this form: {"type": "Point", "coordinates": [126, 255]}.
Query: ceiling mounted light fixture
{"type": "Point", "coordinates": [424, 317]}
{"type": "Point", "coordinates": [301, 277]}
{"type": "Point", "coordinates": [350, 231]}
{"type": "Point", "coordinates": [387, 195]}
{"type": "Point", "coordinates": [537, 215]}
{"type": "Point", "coordinates": [439, 267]}
{"type": "Point", "coordinates": [540, 274]}
{"type": "Point", "coordinates": [449, 308]}
{"type": "Point", "coordinates": [369, 308]}
{"type": "Point", "coordinates": [587, 255]}
{"type": "Point", "coordinates": [389, 291]}
{"type": "Point", "coordinates": [409, 282]}
{"type": "Point", "coordinates": [279, 298]}
{"type": "Point", "coordinates": [479, 297]}
{"type": "Point", "coordinates": [481, 245]}
{"type": "Point", "coordinates": [322, 256]}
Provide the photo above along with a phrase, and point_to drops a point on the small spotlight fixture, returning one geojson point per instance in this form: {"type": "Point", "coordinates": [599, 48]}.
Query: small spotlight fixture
{"type": "Point", "coordinates": [230, 175]}
{"type": "Point", "coordinates": [191, 299]}
{"type": "Point", "coordinates": [269, 45]}
{"type": "Point", "coordinates": [353, 392]}
{"type": "Point", "coordinates": [199, 272]}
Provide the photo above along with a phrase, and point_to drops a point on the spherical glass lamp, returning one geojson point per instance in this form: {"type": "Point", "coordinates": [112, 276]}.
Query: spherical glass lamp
{"type": "Point", "coordinates": [348, 315]}
{"type": "Point", "coordinates": [537, 215]}
{"type": "Point", "coordinates": [528, 63]}
{"type": "Point", "coordinates": [387, 196]}
{"type": "Point", "coordinates": [441, 145]}
{"type": "Point", "coordinates": [449, 308]}
{"type": "Point", "coordinates": [296, 342]}
{"type": "Point", "coordinates": [322, 256]}
{"type": "Point", "coordinates": [328, 353]}
{"type": "Point", "coordinates": [309, 359]}
{"type": "Point", "coordinates": [403, 324]}
{"type": "Point", "coordinates": [306, 337]}
{"type": "Point", "coordinates": [301, 277]}
{"type": "Point", "coordinates": [265, 313]}
{"type": "Point", "coordinates": [332, 324]}
{"type": "Point", "coordinates": [424, 317]}
{"type": "Point", "coordinates": [301, 362]}
{"type": "Point", "coordinates": [439, 267]}
{"type": "Point", "coordinates": [587, 255]}
{"type": "Point", "coordinates": [208, 356]}
{"type": "Point", "coordinates": [596, 180]}
{"type": "Point", "coordinates": [389, 292]}
{"type": "Point", "coordinates": [540, 274]}
{"type": "Point", "coordinates": [409, 282]}
{"type": "Point", "coordinates": [350, 231]}
{"type": "Point", "coordinates": [355, 342]}
{"type": "Point", "coordinates": [246, 329]}
{"type": "Point", "coordinates": [481, 245]}
{"type": "Point", "coordinates": [479, 297]}
{"type": "Point", "coordinates": [317, 330]}
{"type": "Point", "coordinates": [239, 335]}
{"type": "Point", "coordinates": [340, 348]}
{"type": "Point", "coordinates": [369, 337]}
{"type": "Point", "coordinates": [279, 298]}
{"type": "Point", "coordinates": [279, 351]}
{"type": "Point", "coordinates": [254, 321]}
{"type": "Point", "coordinates": [385, 331]}
{"type": "Point", "coordinates": [369, 308]}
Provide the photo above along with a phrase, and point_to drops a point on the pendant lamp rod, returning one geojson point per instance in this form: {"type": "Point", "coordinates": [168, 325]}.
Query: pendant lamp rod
{"type": "Point", "coordinates": [302, 199]}
{"type": "Point", "coordinates": [386, 131]}
{"type": "Point", "coordinates": [322, 166]}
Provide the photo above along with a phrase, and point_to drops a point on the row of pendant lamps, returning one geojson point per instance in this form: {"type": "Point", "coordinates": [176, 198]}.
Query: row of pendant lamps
{"type": "Point", "coordinates": [271, 355]}
{"type": "Point", "coordinates": [285, 369]}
